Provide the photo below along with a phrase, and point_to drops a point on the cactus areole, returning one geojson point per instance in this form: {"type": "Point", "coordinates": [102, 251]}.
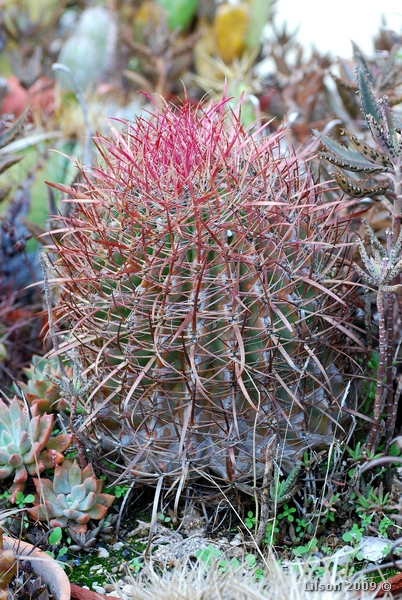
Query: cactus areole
{"type": "Point", "coordinates": [207, 286]}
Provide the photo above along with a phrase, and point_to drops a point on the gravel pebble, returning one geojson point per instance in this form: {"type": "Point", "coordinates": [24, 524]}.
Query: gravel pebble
{"type": "Point", "coordinates": [99, 589]}
{"type": "Point", "coordinates": [118, 546]}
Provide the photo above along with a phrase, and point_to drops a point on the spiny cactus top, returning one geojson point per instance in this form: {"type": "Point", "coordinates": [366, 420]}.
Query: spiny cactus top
{"type": "Point", "coordinates": [205, 280]}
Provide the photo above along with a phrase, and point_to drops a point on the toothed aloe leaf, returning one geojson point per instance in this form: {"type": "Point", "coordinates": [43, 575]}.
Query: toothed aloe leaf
{"type": "Point", "coordinates": [380, 135]}
{"type": "Point", "coordinates": [359, 166]}
{"type": "Point", "coordinates": [370, 153]}
{"type": "Point", "coordinates": [8, 161]}
{"type": "Point", "coordinates": [11, 133]}
{"type": "Point", "coordinates": [388, 120]}
{"type": "Point", "coordinates": [369, 103]}
{"type": "Point", "coordinates": [362, 62]}
{"type": "Point", "coordinates": [347, 158]}
{"type": "Point", "coordinates": [359, 188]}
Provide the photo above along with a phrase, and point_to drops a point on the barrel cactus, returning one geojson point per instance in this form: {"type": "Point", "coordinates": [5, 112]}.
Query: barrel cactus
{"type": "Point", "coordinates": [25, 444]}
{"type": "Point", "coordinates": [207, 285]}
{"type": "Point", "coordinates": [72, 498]}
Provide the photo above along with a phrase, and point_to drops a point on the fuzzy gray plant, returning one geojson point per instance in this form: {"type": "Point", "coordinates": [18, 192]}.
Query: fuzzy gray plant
{"type": "Point", "coordinates": [199, 582]}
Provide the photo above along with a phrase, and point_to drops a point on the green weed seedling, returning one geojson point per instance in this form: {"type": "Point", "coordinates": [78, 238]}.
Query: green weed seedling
{"type": "Point", "coordinates": [136, 564]}
{"type": "Point", "coordinates": [271, 530]}
{"type": "Point", "coordinates": [250, 521]}
{"type": "Point", "coordinates": [208, 555]}
{"type": "Point", "coordinates": [118, 490]}
{"type": "Point", "coordinates": [21, 500]}
{"type": "Point", "coordinates": [287, 513]}
{"type": "Point", "coordinates": [312, 546]}
{"type": "Point", "coordinates": [55, 538]}
{"type": "Point", "coordinates": [384, 525]}
{"type": "Point", "coordinates": [167, 521]}
{"type": "Point", "coordinates": [354, 535]}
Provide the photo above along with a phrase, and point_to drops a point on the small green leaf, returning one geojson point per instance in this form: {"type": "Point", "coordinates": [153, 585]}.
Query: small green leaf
{"type": "Point", "coordinates": [55, 536]}
{"type": "Point", "coordinates": [300, 550]}
{"type": "Point", "coordinates": [394, 450]}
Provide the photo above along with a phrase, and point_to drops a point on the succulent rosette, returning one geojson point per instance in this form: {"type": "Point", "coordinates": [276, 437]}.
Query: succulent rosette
{"type": "Point", "coordinates": [72, 498]}
{"type": "Point", "coordinates": [40, 389]}
{"type": "Point", "coordinates": [26, 445]}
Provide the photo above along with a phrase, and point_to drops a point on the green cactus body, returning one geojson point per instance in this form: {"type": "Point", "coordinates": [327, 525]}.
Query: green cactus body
{"type": "Point", "coordinates": [25, 444]}
{"type": "Point", "coordinates": [72, 498]}
{"type": "Point", "coordinates": [204, 277]}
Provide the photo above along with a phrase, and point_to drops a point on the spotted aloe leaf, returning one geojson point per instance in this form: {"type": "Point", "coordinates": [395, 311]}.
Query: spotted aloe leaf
{"type": "Point", "coordinates": [389, 125]}
{"type": "Point", "coordinates": [370, 153]}
{"type": "Point", "coordinates": [8, 161]}
{"type": "Point", "coordinates": [347, 158]}
{"type": "Point", "coordinates": [361, 60]}
{"type": "Point", "coordinates": [381, 136]}
{"type": "Point", "coordinates": [369, 103]}
{"type": "Point", "coordinates": [360, 188]}
{"type": "Point", "coordinates": [9, 134]}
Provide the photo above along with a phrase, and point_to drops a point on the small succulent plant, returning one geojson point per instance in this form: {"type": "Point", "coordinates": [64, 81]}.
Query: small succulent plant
{"type": "Point", "coordinates": [72, 498]}
{"type": "Point", "coordinates": [26, 445]}
{"type": "Point", "coordinates": [40, 389]}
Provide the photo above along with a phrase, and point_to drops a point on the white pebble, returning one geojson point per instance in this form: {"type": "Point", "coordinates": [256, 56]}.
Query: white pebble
{"type": "Point", "coordinates": [99, 589]}
{"type": "Point", "coordinates": [118, 546]}
{"type": "Point", "coordinates": [103, 553]}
